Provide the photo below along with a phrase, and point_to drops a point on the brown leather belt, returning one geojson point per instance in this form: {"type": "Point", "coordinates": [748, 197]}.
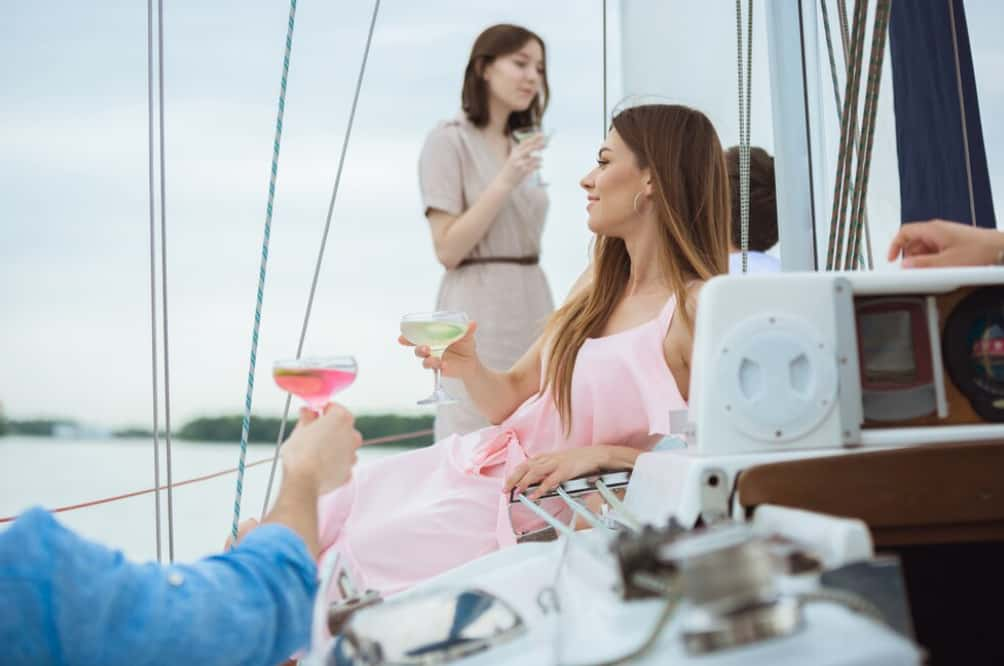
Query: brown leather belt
{"type": "Point", "coordinates": [532, 260]}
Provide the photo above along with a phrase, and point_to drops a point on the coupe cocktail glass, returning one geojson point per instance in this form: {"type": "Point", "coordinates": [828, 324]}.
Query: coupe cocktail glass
{"type": "Point", "coordinates": [436, 330]}
{"type": "Point", "coordinates": [315, 378]}
{"type": "Point", "coordinates": [521, 134]}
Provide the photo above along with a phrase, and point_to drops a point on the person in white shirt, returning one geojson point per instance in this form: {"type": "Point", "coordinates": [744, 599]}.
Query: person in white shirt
{"type": "Point", "coordinates": [763, 213]}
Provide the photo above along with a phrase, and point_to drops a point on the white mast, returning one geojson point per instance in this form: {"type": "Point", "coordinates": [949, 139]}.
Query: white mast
{"type": "Point", "coordinates": [792, 46]}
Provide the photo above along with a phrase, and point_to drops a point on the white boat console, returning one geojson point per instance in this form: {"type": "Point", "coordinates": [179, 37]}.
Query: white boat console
{"type": "Point", "coordinates": [799, 365]}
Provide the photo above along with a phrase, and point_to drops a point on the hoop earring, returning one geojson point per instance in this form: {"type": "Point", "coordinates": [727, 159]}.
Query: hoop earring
{"type": "Point", "coordinates": [635, 204]}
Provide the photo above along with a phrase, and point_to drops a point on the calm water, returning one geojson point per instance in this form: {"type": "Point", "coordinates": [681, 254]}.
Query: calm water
{"type": "Point", "coordinates": [50, 472]}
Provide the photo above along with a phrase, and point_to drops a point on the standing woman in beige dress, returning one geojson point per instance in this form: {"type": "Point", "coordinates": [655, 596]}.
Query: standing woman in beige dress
{"type": "Point", "coordinates": [486, 208]}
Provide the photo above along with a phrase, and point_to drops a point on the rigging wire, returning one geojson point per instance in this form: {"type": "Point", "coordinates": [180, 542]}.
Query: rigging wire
{"type": "Point", "coordinates": [163, 283]}
{"type": "Point", "coordinates": [867, 140]}
{"type": "Point", "coordinates": [848, 129]}
{"type": "Point", "coordinates": [868, 261]}
{"type": "Point", "coordinates": [153, 272]}
{"type": "Point", "coordinates": [603, 135]}
{"type": "Point", "coordinates": [962, 114]}
{"type": "Point", "coordinates": [324, 242]}
{"type": "Point", "coordinates": [844, 39]}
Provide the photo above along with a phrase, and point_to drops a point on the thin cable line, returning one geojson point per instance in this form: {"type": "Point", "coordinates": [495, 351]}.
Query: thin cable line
{"type": "Point", "coordinates": [962, 115]}
{"type": "Point", "coordinates": [324, 241]}
{"type": "Point", "coordinates": [603, 135]}
{"type": "Point", "coordinates": [153, 271]}
{"type": "Point", "coordinates": [163, 283]}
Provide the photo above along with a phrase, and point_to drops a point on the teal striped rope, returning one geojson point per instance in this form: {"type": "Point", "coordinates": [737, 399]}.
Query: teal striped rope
{"type": "Point", "coordinates": [246, 423]}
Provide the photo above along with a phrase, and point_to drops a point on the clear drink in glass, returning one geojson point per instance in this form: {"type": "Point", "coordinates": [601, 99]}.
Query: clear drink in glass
{"type": "Point", "coordinates": [436, 330]}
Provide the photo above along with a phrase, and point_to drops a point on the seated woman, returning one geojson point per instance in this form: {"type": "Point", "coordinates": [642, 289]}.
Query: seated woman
{"type": "Point", "coordinates": [592, 393]}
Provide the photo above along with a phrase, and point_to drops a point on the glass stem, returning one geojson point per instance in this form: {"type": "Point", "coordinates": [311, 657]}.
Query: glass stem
{"type": "Point", "coordinates": [439, 381]}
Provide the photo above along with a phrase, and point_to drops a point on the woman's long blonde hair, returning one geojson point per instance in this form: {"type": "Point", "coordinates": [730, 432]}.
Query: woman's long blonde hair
{"type": "Point", "coordinates": [691, 198]}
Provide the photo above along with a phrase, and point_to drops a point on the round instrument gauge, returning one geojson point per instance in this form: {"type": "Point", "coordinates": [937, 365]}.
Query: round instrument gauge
{"type": "Point", "coordinates": [974, 350]}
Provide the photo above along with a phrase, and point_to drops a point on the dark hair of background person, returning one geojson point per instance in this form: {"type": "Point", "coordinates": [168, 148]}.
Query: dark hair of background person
{"type": "Point", "coordinates": [763, 200]}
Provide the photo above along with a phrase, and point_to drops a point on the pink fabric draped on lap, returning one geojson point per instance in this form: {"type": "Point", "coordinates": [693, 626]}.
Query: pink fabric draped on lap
{"type": "Point", "coordinates": [408, 517]}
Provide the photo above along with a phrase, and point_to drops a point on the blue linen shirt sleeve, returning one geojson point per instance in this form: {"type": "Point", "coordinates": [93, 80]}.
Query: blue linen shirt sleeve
{"type": "Point", "coordinates": [66, 600]}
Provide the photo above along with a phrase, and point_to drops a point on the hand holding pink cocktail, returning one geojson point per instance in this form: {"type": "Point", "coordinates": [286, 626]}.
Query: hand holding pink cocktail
{"type": "Point", "coordinates": [315, 379]}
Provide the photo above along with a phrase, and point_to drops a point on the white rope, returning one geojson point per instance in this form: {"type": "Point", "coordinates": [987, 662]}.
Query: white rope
{"type": "Point", "coordinates": [558, 526]}
{"type": "Point", "coordinates": [624, 514]}
{"type": "Point", "coordinates": [580, 510]}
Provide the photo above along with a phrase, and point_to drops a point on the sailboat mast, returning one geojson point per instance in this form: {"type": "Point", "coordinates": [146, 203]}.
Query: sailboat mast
{"type": "Point", "coordinates": [792, 40]}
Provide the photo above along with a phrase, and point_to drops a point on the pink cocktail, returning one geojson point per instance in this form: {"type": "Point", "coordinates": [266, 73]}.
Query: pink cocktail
{"type": "Point", "coordinates": [315, 380]}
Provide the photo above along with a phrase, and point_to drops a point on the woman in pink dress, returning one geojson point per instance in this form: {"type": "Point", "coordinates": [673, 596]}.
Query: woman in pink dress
{"type": "Point", "coordinates": [592, 393]}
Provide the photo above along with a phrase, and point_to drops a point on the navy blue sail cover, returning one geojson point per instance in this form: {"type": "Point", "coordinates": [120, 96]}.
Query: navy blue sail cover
{"type": "Point", "coordinates": [932, 164]}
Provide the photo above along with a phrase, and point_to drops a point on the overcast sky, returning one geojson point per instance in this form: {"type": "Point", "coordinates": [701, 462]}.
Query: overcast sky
{"type": "Point", "coordinates": [74, 273]}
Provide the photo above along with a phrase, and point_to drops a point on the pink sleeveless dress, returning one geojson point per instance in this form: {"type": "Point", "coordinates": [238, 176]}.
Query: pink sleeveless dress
{"type": "Point", "coordinates": [408, 517]}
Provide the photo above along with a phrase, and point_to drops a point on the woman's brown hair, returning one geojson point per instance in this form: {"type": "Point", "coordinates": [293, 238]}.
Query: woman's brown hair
{"type": "Point", "coordinates": [691, 198]}
{"type": "Point", "coordinates": [500, 40]}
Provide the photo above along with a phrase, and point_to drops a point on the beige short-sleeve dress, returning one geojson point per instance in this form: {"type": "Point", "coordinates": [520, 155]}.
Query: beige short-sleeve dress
{"type": "Point", "coordinates": [510, 302]}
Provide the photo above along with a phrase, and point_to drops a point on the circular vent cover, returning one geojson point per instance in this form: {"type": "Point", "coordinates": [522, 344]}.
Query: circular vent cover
{"type": "Point", "coordinates": [778, 377]}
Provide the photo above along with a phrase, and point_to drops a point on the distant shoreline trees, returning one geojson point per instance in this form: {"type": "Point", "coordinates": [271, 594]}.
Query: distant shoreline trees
{"type": "Point", "coordinates": [264, 430]}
